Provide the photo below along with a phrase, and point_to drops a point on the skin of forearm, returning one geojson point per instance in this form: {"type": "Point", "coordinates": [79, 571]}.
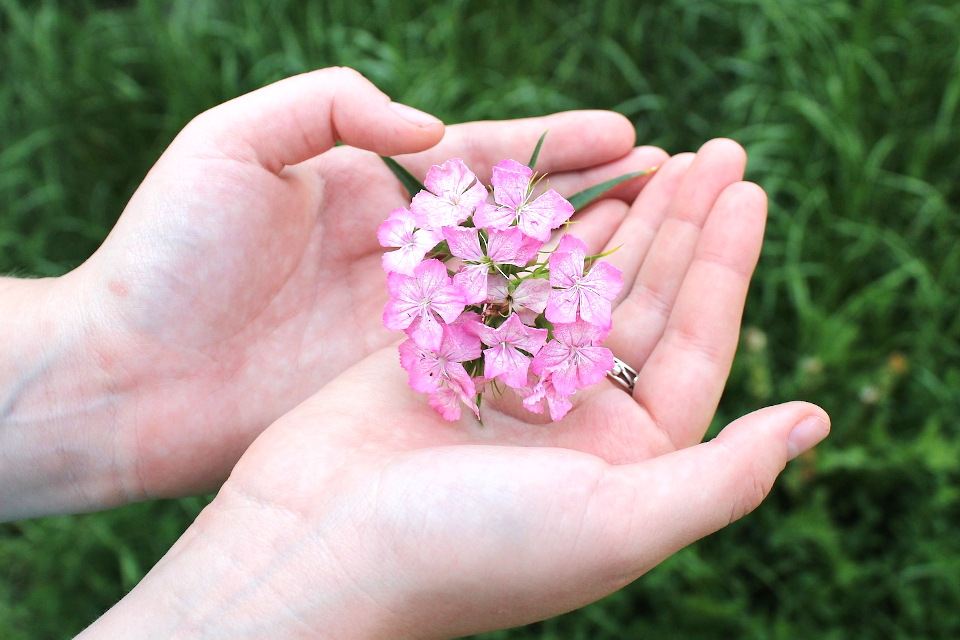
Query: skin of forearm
{"type": "Point", "coordinates": [56, 454]}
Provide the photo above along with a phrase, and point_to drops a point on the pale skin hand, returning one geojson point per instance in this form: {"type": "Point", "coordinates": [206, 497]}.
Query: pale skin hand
{"type": "Point", "coordinates": [363, 514]}
{"type": "Point", "coordinates": [243, 275]}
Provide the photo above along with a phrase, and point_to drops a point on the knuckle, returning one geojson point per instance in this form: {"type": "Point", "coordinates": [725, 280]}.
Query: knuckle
{"type": "Point", "coordinates": [752, 490]}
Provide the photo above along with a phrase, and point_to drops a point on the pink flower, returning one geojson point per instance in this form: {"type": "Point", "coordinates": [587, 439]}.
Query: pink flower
{"type": "Point", "coordinates": [446, 401]}
{"type": "Point", "coordinates": [558, 403]}
{"type": "Point", "coordinates": [415, 302]}
{"type": "Point", "coordinates": [573, 359]}
{"type": "Point", "coordinates": [574, 291]}
{"type": "Point", "coordinates": [528, 300]}
{"type": "Point", "coordinates": [440, 373]}
{"type": "Point", "coordinates": [511, 190]}
{"type": "Point", "coordinates": [428, 368]}
{"type": "Point", "coordinates": [450, 199]}
{"type": "Point", "coordinates": [399, 230]}
{"type": "Point", "coordinates": [509, 246]}
{"type": "Point", "coordinates": [503, 359]}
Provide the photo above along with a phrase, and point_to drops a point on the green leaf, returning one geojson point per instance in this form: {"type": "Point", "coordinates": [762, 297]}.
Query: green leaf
{"type": "Point", "coordinates": [409, 182]}
{"type": "Point", "coordinates": [585, 197]}
{"type": "Point", "coordinates": [536, 151]}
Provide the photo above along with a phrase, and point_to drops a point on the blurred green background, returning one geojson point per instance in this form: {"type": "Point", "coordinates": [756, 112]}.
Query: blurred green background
{"type": "Point", "coordinates": [849, 113]}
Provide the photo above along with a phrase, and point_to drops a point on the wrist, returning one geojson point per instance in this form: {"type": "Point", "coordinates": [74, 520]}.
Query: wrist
{"type": "Point", "coordinates": [246, 570]}
{"type": "Point", "coordinates": [56, 456]}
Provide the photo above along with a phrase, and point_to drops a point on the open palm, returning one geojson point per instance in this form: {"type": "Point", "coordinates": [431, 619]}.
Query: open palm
{"type": "Point", "coordinates": [452, 528]}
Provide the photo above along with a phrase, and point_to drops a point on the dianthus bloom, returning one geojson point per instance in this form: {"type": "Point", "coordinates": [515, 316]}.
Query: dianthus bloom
{"type": "Point", "coordinates": [504, 315]}
{"type": "Point", "coordinates": [512, 192]}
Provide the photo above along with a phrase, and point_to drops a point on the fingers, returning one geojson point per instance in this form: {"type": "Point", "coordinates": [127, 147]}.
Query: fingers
{"type": "Point", "coordinates": [647, 298]}
{"type": "Point", "coordinates": [647, 213]}
{"type": "Point", "coordinates": [595, 224]}
{"type": "Point", "coordinates": [575, 140]}
{"type": "Point", "coordinates": [298, 118]}
{"type": "Point", "coordinates": [669, 502]}
{"type": "Point", "coordinates": [681, 382]}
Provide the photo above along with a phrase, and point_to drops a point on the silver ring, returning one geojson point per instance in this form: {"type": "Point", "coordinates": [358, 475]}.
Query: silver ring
{"type": "Point", "coordinates": [623, 374]}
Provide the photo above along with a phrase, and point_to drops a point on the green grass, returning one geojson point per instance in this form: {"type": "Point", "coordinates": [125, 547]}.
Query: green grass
{"type": "Point", "coordinates": [849, 111]}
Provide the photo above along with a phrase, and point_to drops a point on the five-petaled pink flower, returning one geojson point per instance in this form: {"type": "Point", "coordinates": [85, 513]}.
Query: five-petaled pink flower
{"type": "Point", "coordinates": [574, 358]}
{"type": "Point", "coordinates": [573, 290]}
{"type": "Point", "coordinates": [400, 230]}
{"type": "Point", "coordinates": [503, 359]}
{"type": "Point", "coordinates": [415, 302]}
{"type": "Point", "coordinates": [511, 192]}
{"type": "Point", "coordinates": [440, 373]}
{"type": "Point", "coordinates": [453, 193]}
{"type": "Point", "coordinates": [480, 254]}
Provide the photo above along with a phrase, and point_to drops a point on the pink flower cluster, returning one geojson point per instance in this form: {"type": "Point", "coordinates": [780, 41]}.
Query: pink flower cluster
{"type": "Point", "coordinates": [503, 313]}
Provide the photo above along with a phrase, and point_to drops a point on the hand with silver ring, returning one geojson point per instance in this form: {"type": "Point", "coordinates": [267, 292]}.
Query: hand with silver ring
{"type": "Point", "coordinates": [362, 513]}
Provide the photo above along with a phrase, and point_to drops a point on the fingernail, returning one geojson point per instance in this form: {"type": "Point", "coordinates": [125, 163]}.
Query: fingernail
{"type": "Point", "coordinates": [415, 116]}
{"type": "Point", "coordinates": [805, 435]}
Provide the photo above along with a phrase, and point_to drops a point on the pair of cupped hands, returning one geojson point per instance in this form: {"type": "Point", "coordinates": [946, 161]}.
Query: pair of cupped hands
{"type": "Point", "coordinates": [230, 325]}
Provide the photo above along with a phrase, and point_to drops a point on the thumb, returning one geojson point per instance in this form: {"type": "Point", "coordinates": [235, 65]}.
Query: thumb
{"type": "Point", "coordinates": [671, 501]}
{"type": "Point", "coordinates": [295, 119]}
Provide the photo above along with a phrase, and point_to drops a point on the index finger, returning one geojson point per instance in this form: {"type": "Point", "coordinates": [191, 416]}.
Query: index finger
{"type": "Point", "coordinates": [576, 142]}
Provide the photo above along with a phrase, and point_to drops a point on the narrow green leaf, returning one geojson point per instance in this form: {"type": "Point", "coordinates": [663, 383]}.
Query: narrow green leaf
{"type": "Point", "coordinates": [536, 151]}
{"type": "Point", "coordinates": [602, 255]}
{"type": "Point", "coordinates": [409, 182]}
{"type": "Point", "coordinates": [585, 197]}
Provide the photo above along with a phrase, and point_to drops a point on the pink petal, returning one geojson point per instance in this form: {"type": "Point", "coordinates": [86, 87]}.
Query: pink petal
{"type": "Point", "coordinates": [591, 366]}
{"type": "Point", "coordinates": [549, 211]}
{"type": "Point", "coordinates": [506, 363]}
{"type": "Point", "coordinates": [528, 250]}
{"type": "Point", "coordinates": [433, 211]}
{"type": "Point", "coordinates": [509, 246]}
{"type": "Point", "coordinates": [472, 281]}
{"type": "Point", "coordinates": [448, 302]}
{"type": "Point", "coordinates": [450, 198]}
{"type": "Point", "coordinates": [423, 369]}
{"type": "Point", "coordinates": [510, 181]}
{"type": "Point", "coordinates": [559, 406]}
{"type": "Point", "coordinates": [460, 343]}
{"type": "Point", "coordinates": [474, 196]}
{"type": "Point", "coordinates": [446, 402]}
{"type": "Point", "coordinates": [403, 307]}
{"type": "Point", "coordinates": [397, 230]}
{"type": "Point", "coordinates": [595, 310]}
{"type": "Point", "coordinates": [489, 216]}
{"type": "Point", "coordinates": [533, 398]}
{"type": "Point", "coordinates": [459, 380]}
{"type": "Point", "coordinates": [562, 305]}
{"type": "Point", "coordinates": [464, 242]}
{"type": "Point", "coordinates": [579, 334]}
{"type": "Point", "coordinates": [605, 279]}
{"type": "Point", "coordinates": [552, 356]}
{"type": "Point", "coordinates": [557, 403]}
{"type": "Point", "coordinates": [566, 268]}
{"type": "Point", "coordinates": [570, 243]}
{"type": "Point", "coordinates": [497, 288]}
{"type": "Point", "coordinates": [450, 178]}
{"type": "Point", "coordinates": [426, 332]}
{"type": "Point", "coordinates": [523, 337]}
{"type": "Point", "coordinates": [431, 276]}
{"type": "Point", "coordinates": [532, 293]}
{"type": "Point", "coordinates": [404, 260]}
